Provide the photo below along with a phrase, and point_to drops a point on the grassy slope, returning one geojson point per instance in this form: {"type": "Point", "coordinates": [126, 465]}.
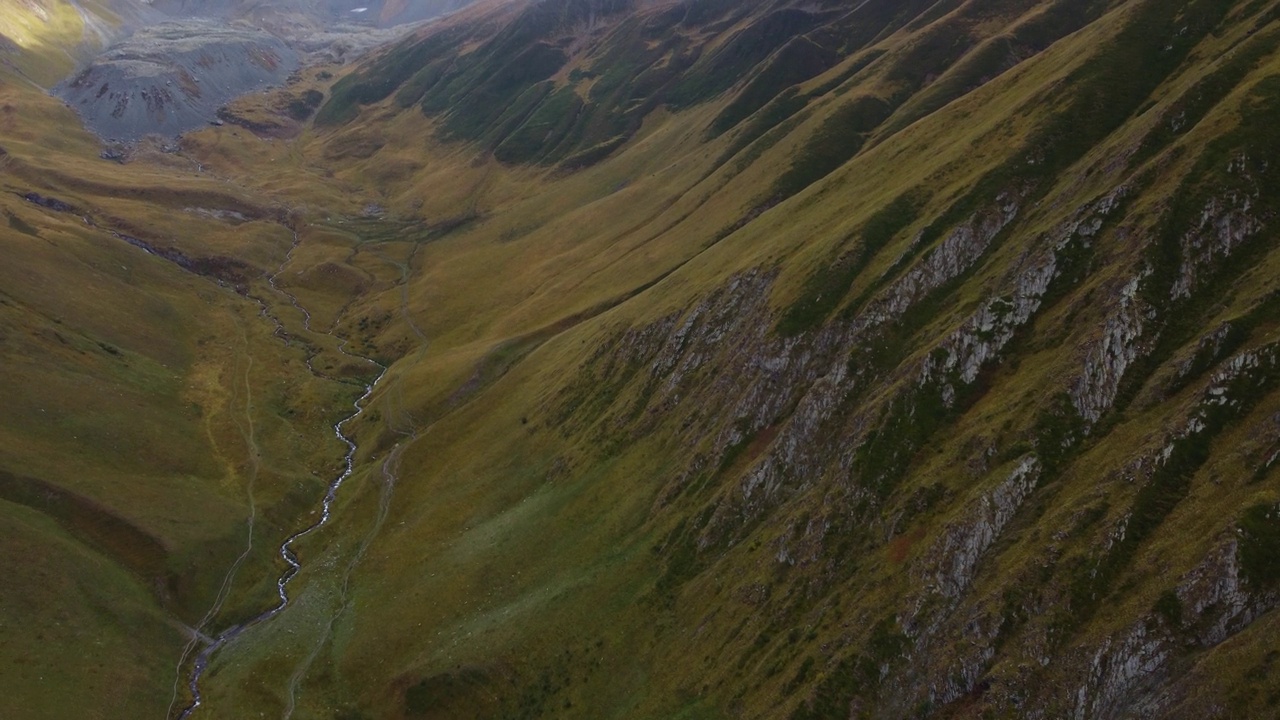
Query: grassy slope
{"type": "Point", "coordinates": [42, 33]}
{"type": "Point", "coordinates": [518, 561]}
{"type": "Point", "coordinates": [575, 613]}
{"type": "Point", "coordinates": [534, 562]}
{"type": "Point", "coordinates": [147, 409]}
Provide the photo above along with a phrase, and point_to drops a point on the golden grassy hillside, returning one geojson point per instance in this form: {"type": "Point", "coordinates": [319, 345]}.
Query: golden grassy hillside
{"type": "Point", "coordinates": [151, 412]}
{"type": "Point", "coordinates": [743, 360]}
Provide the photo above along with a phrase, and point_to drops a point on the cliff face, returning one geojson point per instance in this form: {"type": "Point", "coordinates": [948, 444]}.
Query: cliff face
{"type": "Point", "coordinates": [836, 447]}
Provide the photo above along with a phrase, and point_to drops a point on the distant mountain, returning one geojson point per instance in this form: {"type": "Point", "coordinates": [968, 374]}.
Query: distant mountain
{"type": "Point", "coordinates": [169, 78]}
{"type": "Point", "coordinates": [378, 13]}
{"type": "Point", "coordinates": [166, 66]}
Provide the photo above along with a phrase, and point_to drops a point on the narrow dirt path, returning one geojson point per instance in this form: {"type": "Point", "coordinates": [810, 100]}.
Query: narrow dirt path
{"type": "Point", "coordinates": [389, 470]}
{"type": "Point", "coordinates": [243, 419]}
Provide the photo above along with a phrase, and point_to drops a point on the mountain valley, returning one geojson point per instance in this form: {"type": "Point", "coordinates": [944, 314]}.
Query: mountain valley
{"type": "Point", "coordinates": [696, 359]}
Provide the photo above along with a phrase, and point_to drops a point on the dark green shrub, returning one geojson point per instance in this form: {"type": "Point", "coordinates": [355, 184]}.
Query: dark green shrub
{"type": "Point", "coordinates": [838, 139]}
{"type": "Point", "coordinates": [1259, 548]}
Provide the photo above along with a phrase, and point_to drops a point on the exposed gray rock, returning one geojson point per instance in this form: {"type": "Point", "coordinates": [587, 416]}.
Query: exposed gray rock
{"type": "Point", "coordinates": [761, 376]}
{"type": "Point", "coordinates": [1225, 223]}
{"type": "Point", "coordinates": [1117, 670]}
{"type": "Point", "coordinates": [981, 338]}
{"type": "Point", "coordinates": [1211, 345]}
{"type": "Point", "coordinates": [173, 77]}
{"type": "Point", "coordinates": [791, 455]}
{"type": "Point", "coordinates": [730, 378]}
{"type": "Point", "coordinates": [1216, 603]}
{"type": "Point", "coordinates": [952, 561]}
{"type": "Point", "coordinates": [955, 254]}
{"type": "Point", "coordinates": [1107, 359]}
{"type": "Point", "coordinates": [1124, 675]}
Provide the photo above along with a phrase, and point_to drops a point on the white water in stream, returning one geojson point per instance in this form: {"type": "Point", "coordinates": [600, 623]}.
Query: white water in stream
{"type": "Point", "coordinates": [286, 550]}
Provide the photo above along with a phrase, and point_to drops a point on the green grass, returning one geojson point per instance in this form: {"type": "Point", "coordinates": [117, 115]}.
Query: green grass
{"type": "Point", "coordinates": [1259, 543]}
{"type": "Point", "coordinates": [742, 52]}
{"type": "Point", "coordinates": [826, 289]}
{"type": "Point", "coordinates": [385, 76]}
{"type": "Point", "coordinates": [565, 536]}
{"type": "Point", "coordinates": [840, 136]}
{"type": "Point", "coordinates": [797, 61]}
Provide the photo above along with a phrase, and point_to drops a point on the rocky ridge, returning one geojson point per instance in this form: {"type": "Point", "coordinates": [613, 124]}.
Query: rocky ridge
{"type": "Point", "coordinates": [173, 77]}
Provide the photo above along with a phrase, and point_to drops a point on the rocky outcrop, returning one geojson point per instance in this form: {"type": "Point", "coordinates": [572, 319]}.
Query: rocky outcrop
{"type": "Point", "coordinates": [759, 376]}
{"type": "Point", "coordinates": [981, 338]}
{"type": "Point", "coordinates": [953, 256]}
{"type": "Point", "coordinates": [1216, 602]}
{"type": "Point", "coordinates": [173, 77]}
{"type": "Point", "coordinates": [1117, 671]}
{"type": "Point", "coordinates": [955, 556]}
{"type": "Point", "coordinates": [797, 386]}
{"type": "Point", "coordinates": [778, 427]}
{"type": "Point", "coordinates": [806, 382]}
{"type": "Point", "coordinates": [1126, 674]}
{"type": "Point", "coordinates": [1123, 341]}
{"type": "Point", "coordinates": [1225, 223]}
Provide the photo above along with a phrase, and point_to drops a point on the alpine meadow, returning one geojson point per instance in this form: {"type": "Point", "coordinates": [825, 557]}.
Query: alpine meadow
{"type": "Point", "coordinates": [639, 359]}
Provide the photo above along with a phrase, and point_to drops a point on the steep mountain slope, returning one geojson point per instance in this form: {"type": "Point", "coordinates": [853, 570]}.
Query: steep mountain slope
{"type": "Point", "coordinates": [887, 445]}
{"type": "Point", "coordinates": [777, 359]}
